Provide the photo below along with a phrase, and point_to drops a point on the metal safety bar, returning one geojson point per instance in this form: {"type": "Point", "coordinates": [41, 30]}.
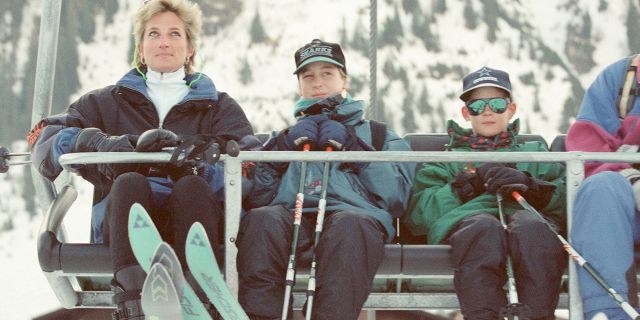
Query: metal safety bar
{"type": "Point", "coordinates": [575, 174]}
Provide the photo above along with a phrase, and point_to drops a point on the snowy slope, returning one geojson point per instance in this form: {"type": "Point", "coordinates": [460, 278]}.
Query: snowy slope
{"type": "Point", "coordinates": [418, 84]}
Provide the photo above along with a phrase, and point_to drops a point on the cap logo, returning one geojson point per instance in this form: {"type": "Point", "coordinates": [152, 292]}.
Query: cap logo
{"type": "Point", "coordinates": [316, 51]}
{"type": "Point", "coordinates": [485, 75]}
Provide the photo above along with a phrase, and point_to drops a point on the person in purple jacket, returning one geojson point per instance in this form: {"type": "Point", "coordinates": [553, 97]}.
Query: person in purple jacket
{"type": "Point", "coordinates": [606, 224]}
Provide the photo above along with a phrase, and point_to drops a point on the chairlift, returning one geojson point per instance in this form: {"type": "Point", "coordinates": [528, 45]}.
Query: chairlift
{"type": "Point", "coordinates": [411, 277]}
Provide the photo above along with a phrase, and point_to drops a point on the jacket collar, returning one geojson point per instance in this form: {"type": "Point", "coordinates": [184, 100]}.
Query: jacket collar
{"type": "Point", "coordinates": [349, 112]}
{"type": "Point", "coordinates": [200, 85]}
{"type": "Point", "coordinates": [460, 137]}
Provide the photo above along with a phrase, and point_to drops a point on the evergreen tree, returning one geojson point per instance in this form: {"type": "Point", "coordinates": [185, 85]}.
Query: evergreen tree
{"type": "Point", "coordinates": [256, 31]}
{"type": "Point", "coordinates": [411, 6]}
{"type": "Point", "coordinates": [603, 5]}
{"type": "Point", "coordinates": [434, 126]}
{"type": "Point", "coordinates": [470, 16]}
{"type": "Point", "coordinates": [490, 11]}
{"type": "Point", "coordinates": [392, 30]}
{"type": "Point", "coordinates": [571, 106]}
{"type": "Point", "coordinates": [442, 115]}
{"type": "Point", "coordinates": [357, 84]}
{"type": "Point", "coordinates": [633, 25]}
{"type": "Point", "coordinates": [423, 102]}
{"type": "Point", "coordinates": [389, 70]}
{"type": "Point", "coordinates": [422, 30]}
{"type": "Point", "coordinates": [246, 75]}
{"type": "Point", "coordinates": [360, 39]}
{"type": "Point", "coordinates": [439, 6]}
{"type": "Point", "coordinates": [408, 119]}
{"type": "Point", "coordinates": [537, 108]}
{"type": "Point", "coordinates": [344, 37]}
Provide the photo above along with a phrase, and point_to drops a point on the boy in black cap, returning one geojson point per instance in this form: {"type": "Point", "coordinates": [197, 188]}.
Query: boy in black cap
{"type": "Point", "coordinates": [361, 199]}
{"type": "Point", "coordinates": [456, 204]}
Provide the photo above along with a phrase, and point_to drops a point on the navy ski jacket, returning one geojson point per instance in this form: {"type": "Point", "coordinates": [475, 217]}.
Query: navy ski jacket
{"type": "Point", "coordinates": [380, 189]}
{"type": "Point", "coordinates": [125, 108]}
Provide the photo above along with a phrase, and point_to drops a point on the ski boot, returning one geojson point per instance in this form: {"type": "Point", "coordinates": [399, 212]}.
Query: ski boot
{"type": "Point", "coordinates": [125, 295]}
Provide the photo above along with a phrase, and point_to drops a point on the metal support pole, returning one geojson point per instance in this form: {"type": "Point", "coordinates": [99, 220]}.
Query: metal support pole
{"type": "Point", "coordinates": [43, 87]}
{"type": "Point", "coordinates": [233, 203]}
{"type": "Point", "coordinates": [575, 175]}
{"type": "Point", "coordinates": [373, 67]}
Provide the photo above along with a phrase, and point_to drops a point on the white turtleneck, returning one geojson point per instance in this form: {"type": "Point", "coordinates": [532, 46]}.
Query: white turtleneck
{"type": "Point", "coordinates": [166, 90]}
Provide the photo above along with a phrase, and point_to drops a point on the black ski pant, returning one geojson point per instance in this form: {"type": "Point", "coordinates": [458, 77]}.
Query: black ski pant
{"type": "Point", "coordinates": [350, 250]}
{"type": "Point", "coordinates": [191, 200]}
{"type": "Point", "coordinates": [479, 248]}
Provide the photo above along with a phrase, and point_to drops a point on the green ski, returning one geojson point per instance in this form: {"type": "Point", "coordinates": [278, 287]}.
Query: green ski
{"type": "Point", "coordinates": [144, 239]}
{"type": "Point", "coordinates": [204, 268]}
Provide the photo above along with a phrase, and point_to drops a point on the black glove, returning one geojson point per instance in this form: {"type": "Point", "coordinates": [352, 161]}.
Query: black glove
{"type": "Point", "coordinates": [482, 170]}
{"type": "Point", "coordinates": [303, 132]}
{"type": "Point", "coordinates": [467, 186]}
{"type": "Point", "coordinates": [497, 177]}
{"type": "Point", "coordinates": [332, 134]}
{"type": "Point", "coordinates": [94, 140]}
{"type": "Point", "coordinates": [539, 193]}
{"type": "Point", "coordinates": [155, 139]}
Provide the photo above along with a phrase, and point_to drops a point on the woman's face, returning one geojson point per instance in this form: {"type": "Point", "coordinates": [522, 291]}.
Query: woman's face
{"type": "Point", "coordinates": [164, 44]}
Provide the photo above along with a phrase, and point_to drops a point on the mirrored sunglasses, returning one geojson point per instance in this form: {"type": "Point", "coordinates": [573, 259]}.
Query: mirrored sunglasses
{"type": "Point", "coordinates": [497, 105]}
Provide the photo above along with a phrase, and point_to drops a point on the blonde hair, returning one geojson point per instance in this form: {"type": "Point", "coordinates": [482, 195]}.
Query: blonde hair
{"type": "Point", "coordinates": [186, 10]}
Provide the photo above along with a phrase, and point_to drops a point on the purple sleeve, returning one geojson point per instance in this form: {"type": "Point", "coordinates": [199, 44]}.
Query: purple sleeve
{"type": "Point", "coordinates": [598, 127]}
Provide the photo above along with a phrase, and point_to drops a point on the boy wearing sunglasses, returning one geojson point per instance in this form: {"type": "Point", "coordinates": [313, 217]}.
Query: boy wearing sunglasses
{"type": "Point", "coordinates": [456, 204]}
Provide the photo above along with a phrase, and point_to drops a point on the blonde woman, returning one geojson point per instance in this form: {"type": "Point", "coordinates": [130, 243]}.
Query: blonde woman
{"type": "Point", "coordinates": [161, 99]}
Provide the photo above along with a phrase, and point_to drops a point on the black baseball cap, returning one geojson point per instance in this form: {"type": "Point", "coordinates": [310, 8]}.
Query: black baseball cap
{"type": "Point", "coordinates": [318, 50]}
{"type": "Point", "coordinates": [485, 77]}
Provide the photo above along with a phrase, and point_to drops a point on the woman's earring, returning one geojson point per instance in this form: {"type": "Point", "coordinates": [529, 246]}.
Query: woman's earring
{"type": "Point", "coordinates": [142, 60]}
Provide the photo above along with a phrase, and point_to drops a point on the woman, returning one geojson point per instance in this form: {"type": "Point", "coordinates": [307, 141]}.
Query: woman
{"type": "Point", "coordinates": [161, 97]}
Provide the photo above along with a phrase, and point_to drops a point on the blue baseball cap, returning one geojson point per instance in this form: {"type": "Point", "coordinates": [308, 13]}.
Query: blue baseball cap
{"type": "Point", "coordinates": [485, 77]}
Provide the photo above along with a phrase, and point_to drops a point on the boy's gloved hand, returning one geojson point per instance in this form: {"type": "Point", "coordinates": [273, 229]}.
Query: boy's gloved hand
{"type": "Point", "coordinates": [482, 170]}
{"type": "Point", "coordinates": [303, 132]}
{"type": "Point", "coordinates": [633, 175]}
{"type": "Point", "coordinates": [467, 186]}
{"type": "Point", "coordinates": [332, 134]}
{"type": "Point", "coordinates": [154, 140]}
{"type": "Point", "coordinates": [497, 177]}
{"type": "Point", "coordinates": [94, 140]}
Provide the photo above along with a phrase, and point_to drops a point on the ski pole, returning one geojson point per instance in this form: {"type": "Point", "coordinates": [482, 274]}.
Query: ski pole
{"type": "Point", "coordinates": [514, 308]}
{"type": "Point", "coordinates": [297, 219]}
{"type": "Point", "coordinates": [582, 262]}
{"type": "Point", "coordinates": [311, 288]}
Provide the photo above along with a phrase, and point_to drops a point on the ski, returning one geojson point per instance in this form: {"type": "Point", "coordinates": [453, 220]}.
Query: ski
{"type": "Point", "coordinates": [160, 298]}
{"type": "Point", "coordinates": [144, 239]}
{"type": "Point", "coordinates": [165, 255]}
{"type": "Point", "coordinates": [204, 268]}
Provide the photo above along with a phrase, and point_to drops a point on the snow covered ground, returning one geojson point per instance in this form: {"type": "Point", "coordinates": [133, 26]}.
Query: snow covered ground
{"type": "Point", "coordinates": [27, 292]}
